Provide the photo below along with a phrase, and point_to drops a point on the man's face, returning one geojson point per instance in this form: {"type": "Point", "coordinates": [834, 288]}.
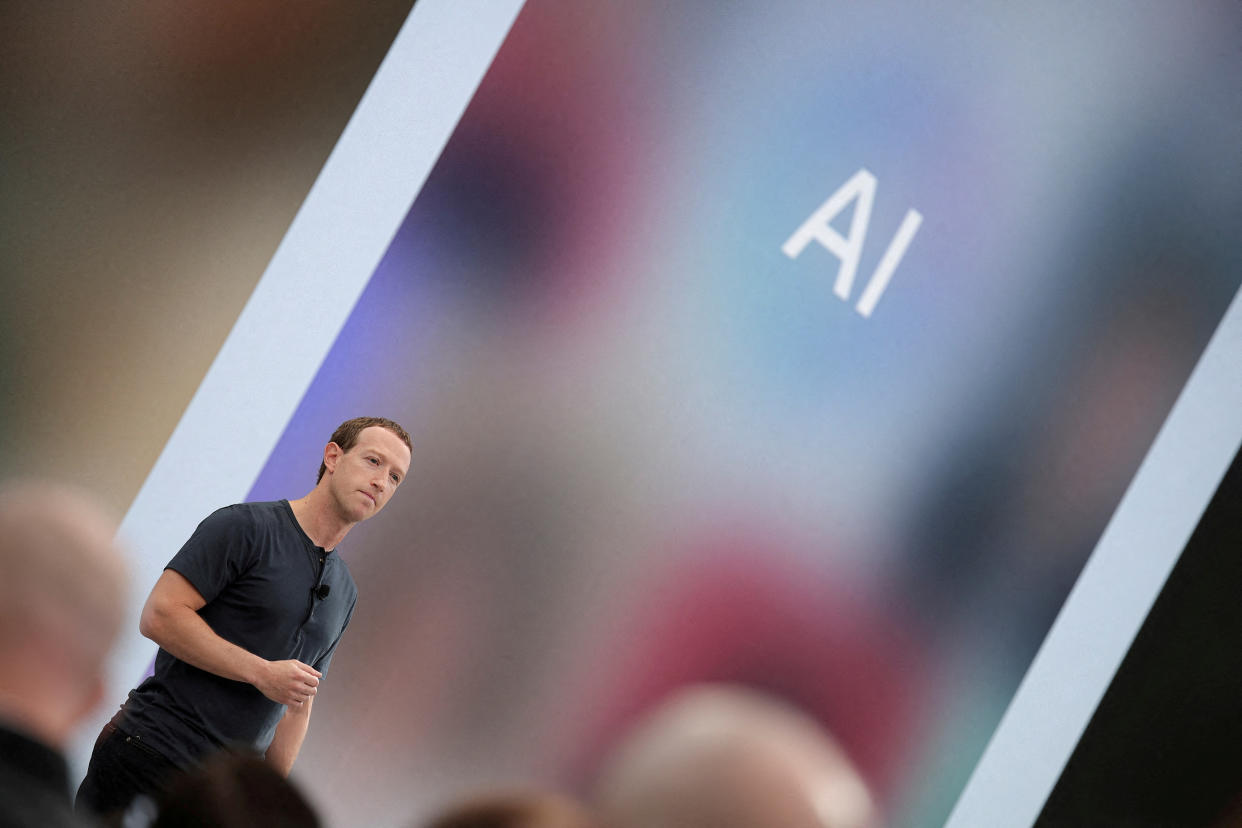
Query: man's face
{"type": "Point", "coordinates": [362, 479]}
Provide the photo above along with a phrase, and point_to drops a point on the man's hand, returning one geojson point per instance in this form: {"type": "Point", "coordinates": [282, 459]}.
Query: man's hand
{"type": "Point", "coordinates": [288, 682]}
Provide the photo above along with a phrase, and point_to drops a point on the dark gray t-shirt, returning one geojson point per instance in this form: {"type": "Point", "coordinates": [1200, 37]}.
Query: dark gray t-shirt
{"type": "Point", "coordinates": [261, 577]}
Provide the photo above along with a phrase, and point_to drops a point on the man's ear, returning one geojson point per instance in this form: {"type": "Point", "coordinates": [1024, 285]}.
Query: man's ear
{"type": "Point", "coordinates": [331, 454]}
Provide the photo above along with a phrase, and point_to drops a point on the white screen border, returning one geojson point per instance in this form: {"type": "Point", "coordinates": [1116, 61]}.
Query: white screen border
{"type": "Point", "coordinates": [1117, 587]}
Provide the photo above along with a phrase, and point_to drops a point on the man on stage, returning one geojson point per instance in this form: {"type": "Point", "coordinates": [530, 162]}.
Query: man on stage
{"type": "Point", "coordinates": [247, 615]}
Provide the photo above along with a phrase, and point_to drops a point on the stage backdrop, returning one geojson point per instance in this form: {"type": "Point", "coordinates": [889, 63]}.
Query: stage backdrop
{"type": "Point", "coordinates": [811, 350]}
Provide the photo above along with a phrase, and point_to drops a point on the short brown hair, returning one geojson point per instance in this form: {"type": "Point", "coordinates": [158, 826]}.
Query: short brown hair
{"type": "Point", "coordinates": [346, 435]}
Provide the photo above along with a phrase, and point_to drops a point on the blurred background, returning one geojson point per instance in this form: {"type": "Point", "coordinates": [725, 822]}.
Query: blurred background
{"type": "Point", "coordinates": [649, 448]}
{"type": "Point", "coordinates": [151, 158]}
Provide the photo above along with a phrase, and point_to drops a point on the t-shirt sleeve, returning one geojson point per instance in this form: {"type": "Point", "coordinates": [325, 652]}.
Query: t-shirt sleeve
{"type": "Point", "coordinates": [219, 551]}
{"type": "Point", "coordinates": [325, 660]}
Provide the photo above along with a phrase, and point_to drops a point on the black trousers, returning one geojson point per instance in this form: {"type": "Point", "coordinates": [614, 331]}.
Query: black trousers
{"type": "Point", "coordinates": [121, 767]}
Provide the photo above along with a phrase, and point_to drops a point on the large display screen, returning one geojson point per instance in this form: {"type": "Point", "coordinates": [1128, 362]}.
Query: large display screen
{"type": "Point", "coordinates": [811, 351]}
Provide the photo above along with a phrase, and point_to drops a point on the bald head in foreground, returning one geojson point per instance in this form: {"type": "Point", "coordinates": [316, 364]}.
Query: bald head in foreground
{"type": "Point", "coordinates": [717, 756]}
{"type": "Point", "coordinates": [62, 601]}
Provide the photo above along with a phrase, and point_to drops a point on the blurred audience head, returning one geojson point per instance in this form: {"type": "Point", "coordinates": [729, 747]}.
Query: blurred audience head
{"type": "Point", "coordinates": [516, 810]}
{"type": "Point", "coordinates": [62, 601]}
{"type": "Point", "coordinates": [729, 757]}
{"type": "Point", "coordinates": [233, 791]}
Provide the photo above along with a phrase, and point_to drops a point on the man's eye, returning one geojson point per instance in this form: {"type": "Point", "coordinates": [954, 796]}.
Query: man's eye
{"type": "Point", "coordinates": [395, 479]}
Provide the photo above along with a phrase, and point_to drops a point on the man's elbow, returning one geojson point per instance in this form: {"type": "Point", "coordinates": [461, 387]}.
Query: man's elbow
{"type": "Point", "coordinates": [153, 621]}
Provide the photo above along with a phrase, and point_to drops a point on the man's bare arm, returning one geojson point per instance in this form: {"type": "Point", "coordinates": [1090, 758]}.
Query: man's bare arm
{"type": "Point", "coordinates": [170, 618]}
{"type": "Point", "coordinates": [287, 742]}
